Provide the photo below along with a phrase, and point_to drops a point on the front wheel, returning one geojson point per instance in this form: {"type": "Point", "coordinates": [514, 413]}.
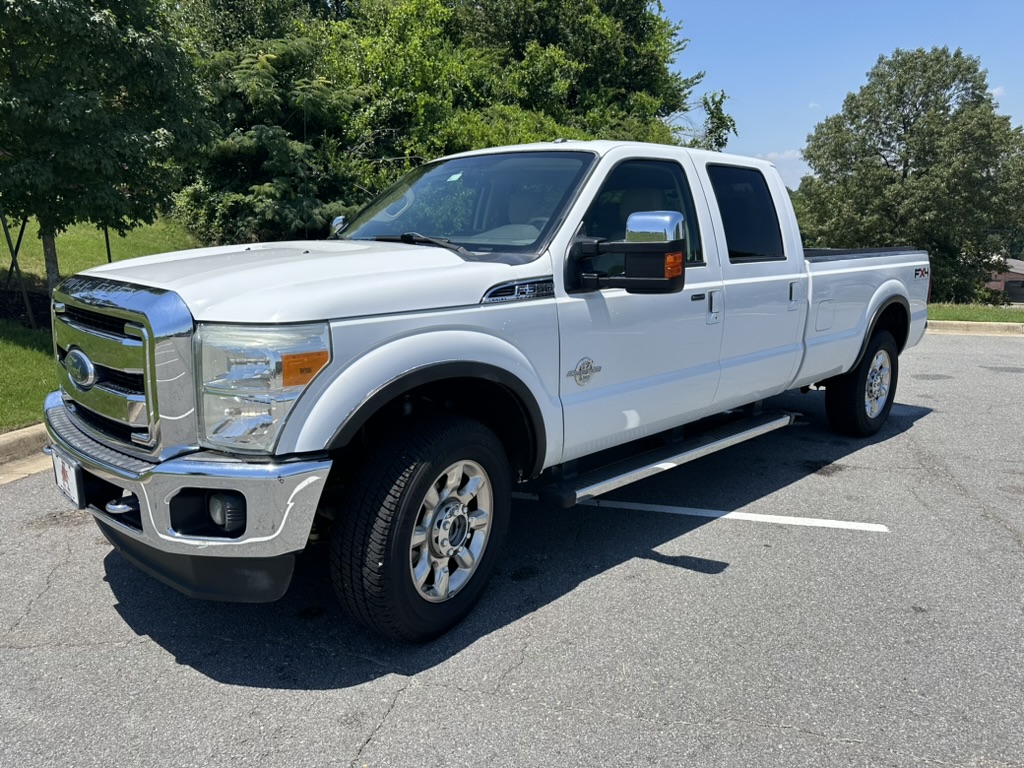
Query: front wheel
{"type": "Point", "coordinates": [858, 402]}
{"type": "Point", "coordinates": [420, 537]}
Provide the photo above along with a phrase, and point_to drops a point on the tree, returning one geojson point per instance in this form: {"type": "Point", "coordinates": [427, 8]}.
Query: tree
{"type": "Point", "coordinates": [320, 105]}
{"type": "Point", "coordinates": [601, 66]}
{"type": "Point", "coordinates": [918, 156]}
{"type": "Point", "coordinates": [267, 175]}
{"type": "Point", "coordinates": [96, 106]}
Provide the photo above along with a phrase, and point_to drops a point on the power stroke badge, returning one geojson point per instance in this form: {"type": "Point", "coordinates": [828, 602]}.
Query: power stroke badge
{"type": "Point", "coordinates": [583, 371]}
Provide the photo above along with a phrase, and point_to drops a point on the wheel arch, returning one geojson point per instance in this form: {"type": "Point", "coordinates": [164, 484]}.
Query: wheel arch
{"type": "Point", "coordinates": [489, 394]}
{"type": "Point", "coordinates": [892, 314]}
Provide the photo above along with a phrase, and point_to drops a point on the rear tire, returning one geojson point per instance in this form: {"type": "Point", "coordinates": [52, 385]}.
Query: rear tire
{"type": "Point", "coordinates": [422, 528]}
{"type": "Point", "coordinates": [858, 402]}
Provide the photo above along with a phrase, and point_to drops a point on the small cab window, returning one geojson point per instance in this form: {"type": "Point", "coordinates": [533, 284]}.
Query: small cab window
{"type": "Point", "coordinates": [751, 222]}
{"type": "Point", "coordinates": [640, 185]}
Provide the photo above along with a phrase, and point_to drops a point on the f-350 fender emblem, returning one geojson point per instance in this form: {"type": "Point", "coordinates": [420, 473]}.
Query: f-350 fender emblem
{"type": "Point", "coordinates": [584, 370]}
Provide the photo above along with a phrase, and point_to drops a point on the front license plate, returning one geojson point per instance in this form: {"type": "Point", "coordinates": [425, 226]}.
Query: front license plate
{"type": "Point", "coordinates": [68, 475]}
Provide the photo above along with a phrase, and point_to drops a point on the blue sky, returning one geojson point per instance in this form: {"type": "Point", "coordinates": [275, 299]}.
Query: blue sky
{"type": "Point", "coordinates": [787, 64]}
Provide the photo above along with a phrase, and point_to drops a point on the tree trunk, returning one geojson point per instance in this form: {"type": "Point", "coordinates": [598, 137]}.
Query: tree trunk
{"type": "Point", "coordinates": [50, 258]}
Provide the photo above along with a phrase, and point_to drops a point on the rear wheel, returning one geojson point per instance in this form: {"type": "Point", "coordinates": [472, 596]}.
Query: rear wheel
{"type": "Point", "coordinates": [419, 539]}
{"type": "Point", "coordinates": [858, 403]}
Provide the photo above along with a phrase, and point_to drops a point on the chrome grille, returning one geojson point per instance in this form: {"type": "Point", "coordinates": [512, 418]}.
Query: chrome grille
{"type": "Point", "coordinates": [94, 321]}
{"type": "Point", "coordinates": [135, 343]}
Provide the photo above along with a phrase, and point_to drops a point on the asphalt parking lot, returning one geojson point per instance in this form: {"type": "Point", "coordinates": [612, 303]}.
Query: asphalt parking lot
{"type": "Point", "coordinates": [800, 600]}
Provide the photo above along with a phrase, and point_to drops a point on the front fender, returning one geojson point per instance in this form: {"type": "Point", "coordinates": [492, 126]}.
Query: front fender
{"type": "Point", "coordinates": [320, 417]}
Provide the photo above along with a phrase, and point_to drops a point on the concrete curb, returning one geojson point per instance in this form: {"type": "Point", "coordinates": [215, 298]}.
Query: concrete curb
{"type": "Point", "coordinates": [22, 443]}
{"type": "Point", "coordinates": [976, 329]}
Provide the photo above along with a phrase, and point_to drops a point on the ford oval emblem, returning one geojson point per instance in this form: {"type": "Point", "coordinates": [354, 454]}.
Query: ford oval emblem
{"type": "Point", "coordinates": [80, 369]}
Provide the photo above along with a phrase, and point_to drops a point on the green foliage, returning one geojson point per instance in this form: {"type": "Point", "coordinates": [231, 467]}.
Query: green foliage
{"type": "Point", "coordinates": [571, 58]}
{"type": "Point", "coordinates": [210, 26]}
{"type": "Point", "coordinates": [96, 106]}
{"type": "Point", "coordinates": [323, 104]}
{"type": "Point", "coordinates": [718, 124]}
{"type": "Point", "coordinates": [266, 174]}
{"type": "Point", "coordinates": [918, 156]}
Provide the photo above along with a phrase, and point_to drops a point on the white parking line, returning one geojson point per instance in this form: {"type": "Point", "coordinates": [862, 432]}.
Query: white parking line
{"type": "Point", "coordinates": [810, 522]}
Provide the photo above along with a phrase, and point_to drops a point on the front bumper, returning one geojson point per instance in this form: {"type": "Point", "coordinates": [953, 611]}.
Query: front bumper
{"type": "Point", "coordinates": [163, 537]}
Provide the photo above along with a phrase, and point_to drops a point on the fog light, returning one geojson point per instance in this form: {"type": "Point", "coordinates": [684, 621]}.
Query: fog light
{"type": "Point", "coordinates": [227, 510]}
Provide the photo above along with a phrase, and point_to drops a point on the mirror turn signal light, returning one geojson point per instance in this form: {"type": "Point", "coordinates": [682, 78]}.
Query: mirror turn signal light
{"type": "Point", "coordinates": [673, 265]}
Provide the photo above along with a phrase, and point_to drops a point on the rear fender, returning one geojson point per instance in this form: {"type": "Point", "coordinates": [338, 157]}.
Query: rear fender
{"type": "Point", "coordinates": [889, 307]}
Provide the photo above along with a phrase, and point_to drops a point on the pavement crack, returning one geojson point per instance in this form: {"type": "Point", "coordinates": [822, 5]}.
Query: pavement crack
{"type": "Point", "coordinates": [797, 729]}
{"type": "Point", "coordinates": [932, 463]}
{"type": "Point", "coordinates": [380, 723]}
{"type": "Point", "coordinates": [520, 660]}
{"type": "Point", "coordinates": [74, 646]}
{"type": "Point", "coordinates": [1006, 526]}
{"type": "Point", "coordinates": [42, 593]}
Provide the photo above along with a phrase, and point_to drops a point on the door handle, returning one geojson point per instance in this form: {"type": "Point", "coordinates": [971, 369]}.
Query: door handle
{"type": "Point", "coordinates": [714, 306]}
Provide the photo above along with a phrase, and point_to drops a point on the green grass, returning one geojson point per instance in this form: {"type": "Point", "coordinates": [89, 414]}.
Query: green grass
{"type": "Point", "coordinates": [26, 375]}
{"type": "Point", "coordinates": [976, 313]}
{"type": "Point", "coordinates": [82, 247]}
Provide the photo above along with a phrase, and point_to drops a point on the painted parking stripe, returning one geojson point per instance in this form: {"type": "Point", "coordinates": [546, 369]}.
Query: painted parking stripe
{"type": "Point", "coordinates": [809, 522]}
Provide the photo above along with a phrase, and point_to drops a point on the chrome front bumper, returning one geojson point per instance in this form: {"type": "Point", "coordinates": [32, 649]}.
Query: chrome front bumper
{"type": "Point", "coordinates": [281, 499]}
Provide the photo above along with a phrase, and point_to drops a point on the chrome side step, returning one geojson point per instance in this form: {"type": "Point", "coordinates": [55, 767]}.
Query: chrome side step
{"type": "Point", "coordinates": [596, 482]}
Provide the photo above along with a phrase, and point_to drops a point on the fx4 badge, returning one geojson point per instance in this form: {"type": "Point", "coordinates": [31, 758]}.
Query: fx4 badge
{"type": "Point", "coordinates": [921, 273]}
{"type": "Point", "coordinates": [583, 371]}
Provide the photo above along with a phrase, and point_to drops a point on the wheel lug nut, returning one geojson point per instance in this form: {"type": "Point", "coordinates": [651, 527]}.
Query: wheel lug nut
{"type": "Point", "coordinates": [451, 552]}
{"type": "Point", "coordinates": [444, 543]}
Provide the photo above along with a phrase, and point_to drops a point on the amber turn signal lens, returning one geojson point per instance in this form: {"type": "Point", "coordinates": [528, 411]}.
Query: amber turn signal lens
{"type": "Point", "coordinates": [673, 265]}
{"type": "Point", "coordinates": [299, 369]}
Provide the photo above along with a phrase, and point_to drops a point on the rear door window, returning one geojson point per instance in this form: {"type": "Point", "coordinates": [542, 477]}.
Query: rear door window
{"type": "Point", "coordinates": [752, 230]}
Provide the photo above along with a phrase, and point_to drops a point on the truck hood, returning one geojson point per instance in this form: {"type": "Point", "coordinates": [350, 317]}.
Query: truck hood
{"type": "Point", "coordinates": [315, 280]}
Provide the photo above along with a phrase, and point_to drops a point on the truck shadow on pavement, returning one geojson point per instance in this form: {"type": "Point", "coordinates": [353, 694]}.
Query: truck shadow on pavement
{"type": "Point", "coordinates": [305, 641]}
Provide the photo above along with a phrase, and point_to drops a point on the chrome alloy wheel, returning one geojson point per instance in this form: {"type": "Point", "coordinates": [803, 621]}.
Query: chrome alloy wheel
{"type": "Point", "coordinates": [876, 389]}
{"type": "Point", "coordinates": [451, 531]}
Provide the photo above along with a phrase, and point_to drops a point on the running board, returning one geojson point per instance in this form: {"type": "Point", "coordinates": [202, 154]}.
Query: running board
{"type": "Point", "coordinates": [596, 482]}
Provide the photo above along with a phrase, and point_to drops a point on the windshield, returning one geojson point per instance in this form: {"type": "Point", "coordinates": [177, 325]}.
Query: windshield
{"type": "Point", "coordinates": [502, 203]}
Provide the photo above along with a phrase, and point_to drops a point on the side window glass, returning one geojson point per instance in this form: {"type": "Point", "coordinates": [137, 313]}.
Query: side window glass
{"type": "Point", "coordinates": [640, 185]}
{"type": "Point", "coordinates": [751, 222]}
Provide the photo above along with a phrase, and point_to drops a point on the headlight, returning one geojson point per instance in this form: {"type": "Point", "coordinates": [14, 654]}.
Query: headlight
{"type": "Point", "coordinates": [251, 377]}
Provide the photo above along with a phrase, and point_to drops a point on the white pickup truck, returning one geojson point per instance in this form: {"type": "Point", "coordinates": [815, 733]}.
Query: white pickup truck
{"type": "Point", "coordinates": [497, 319]}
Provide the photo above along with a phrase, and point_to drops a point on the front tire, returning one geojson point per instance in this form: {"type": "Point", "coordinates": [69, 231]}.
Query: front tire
{"type": "Point", "coordinates": [858, 402]}
{"type": "Point", "coordinates": [419, 540]}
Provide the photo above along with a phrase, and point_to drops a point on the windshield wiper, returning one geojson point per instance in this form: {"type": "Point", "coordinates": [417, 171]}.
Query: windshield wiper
{"type": "Point", "coordinates": [415, 238]}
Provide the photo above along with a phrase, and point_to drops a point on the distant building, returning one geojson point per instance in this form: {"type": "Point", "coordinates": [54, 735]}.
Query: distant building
{"type": "Point", "coordinates": [1011, 282]}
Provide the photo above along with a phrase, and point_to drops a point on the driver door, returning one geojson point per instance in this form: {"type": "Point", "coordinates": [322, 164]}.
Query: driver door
{"type": "Point", "coordinates": [636, 364]}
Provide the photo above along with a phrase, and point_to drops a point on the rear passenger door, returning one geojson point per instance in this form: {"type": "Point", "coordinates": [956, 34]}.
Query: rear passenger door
{"type": "Point", "coordinates": [764, 285]}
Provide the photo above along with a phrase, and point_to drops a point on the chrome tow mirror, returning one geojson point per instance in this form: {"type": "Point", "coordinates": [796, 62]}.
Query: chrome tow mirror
{"type": "Point", "coordinates": [337, 224]}
{"type": "Point", "coordinates": [655, 227]}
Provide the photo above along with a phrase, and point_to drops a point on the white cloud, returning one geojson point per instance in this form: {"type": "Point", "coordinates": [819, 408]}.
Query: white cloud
{"type": "Point", "coordinates": [791, 165]}
{"type": "Point", "coordinates": [998, 91]}
{"type": "Point", "coordinates": [788, 154]}
{"type": "Point", "coordinates": [814, 105]}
